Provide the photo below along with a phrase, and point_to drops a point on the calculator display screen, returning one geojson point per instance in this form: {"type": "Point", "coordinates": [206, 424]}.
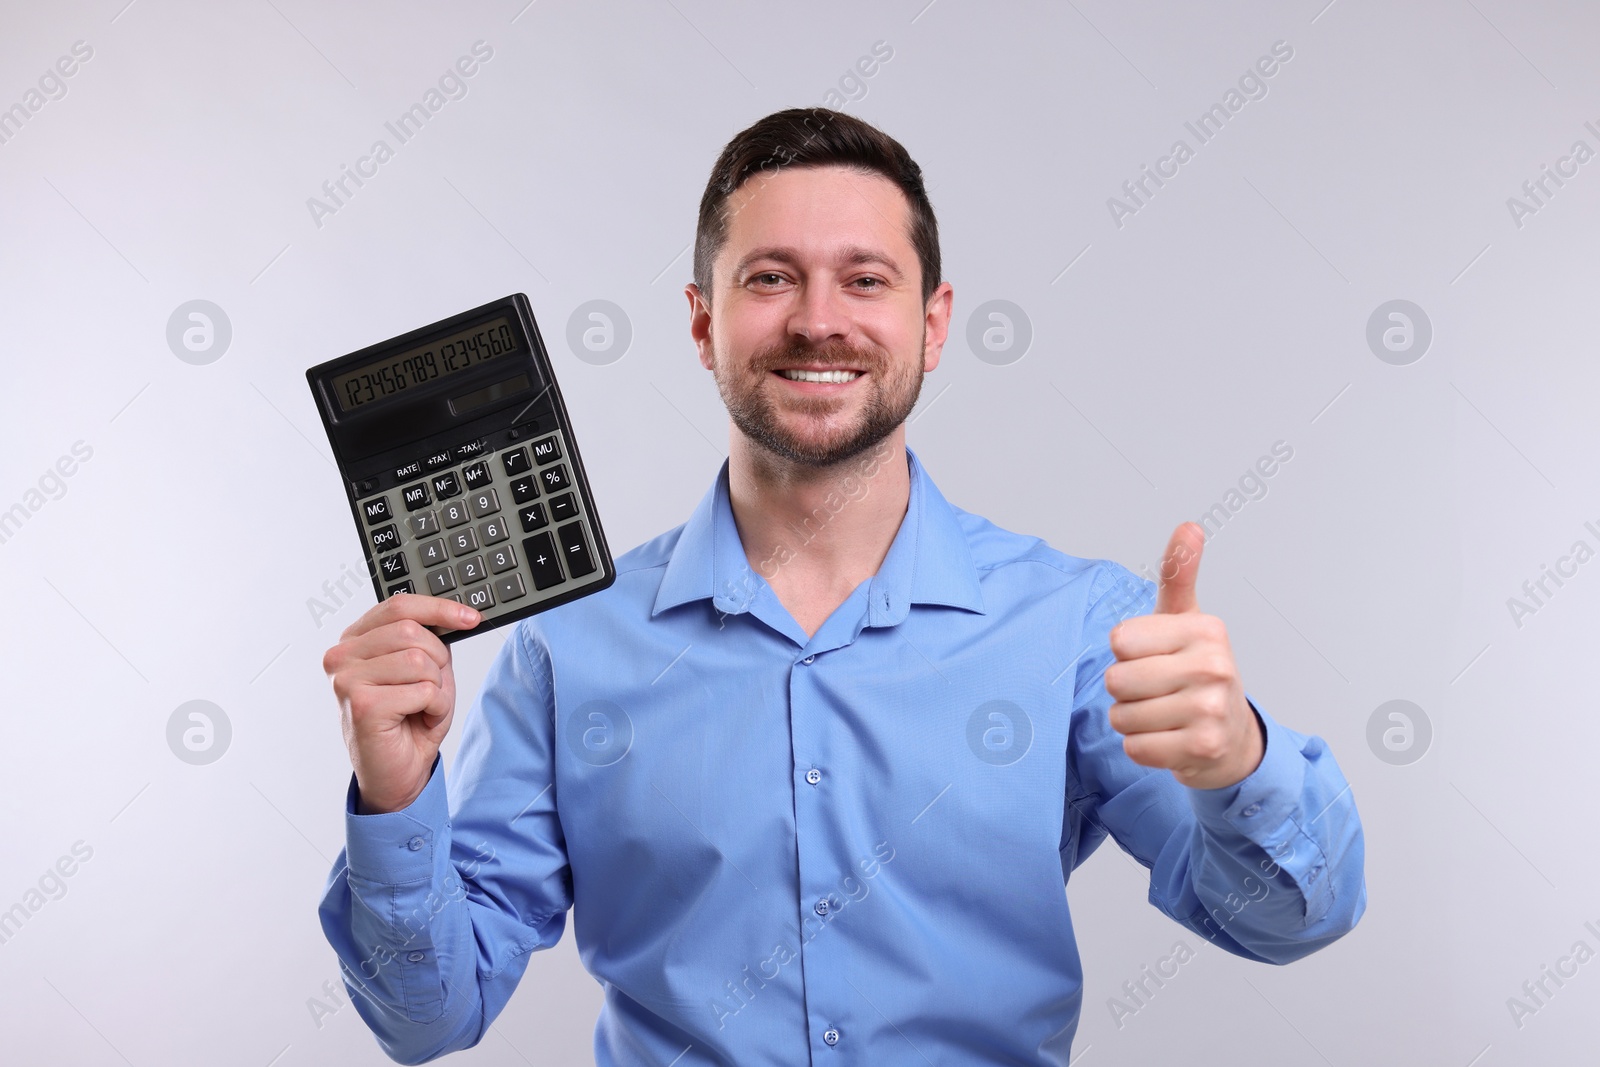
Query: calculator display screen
{"type": "Point", "coordinates": [425, 363]}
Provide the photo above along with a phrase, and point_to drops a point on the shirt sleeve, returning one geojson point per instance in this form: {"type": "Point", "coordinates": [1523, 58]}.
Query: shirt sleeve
{"type": "Point", "coordinates": [433, 910]}
{"type": "Point", "coordinates": [1271, 868]}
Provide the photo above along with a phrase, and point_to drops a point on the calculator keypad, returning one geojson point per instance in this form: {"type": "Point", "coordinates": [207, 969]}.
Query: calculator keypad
{"type": "Point", "coordinates": [459, 539]}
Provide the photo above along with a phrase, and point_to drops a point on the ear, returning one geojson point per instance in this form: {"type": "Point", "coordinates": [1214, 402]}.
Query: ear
{"type": "Point", "coordinates": [699, 322]}
{"type": "Point", "coordinates": [936, 324]}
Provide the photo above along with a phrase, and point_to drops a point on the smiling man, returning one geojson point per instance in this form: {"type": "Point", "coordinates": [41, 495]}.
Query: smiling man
{"type": "Point", "coordinates": [813, 773]}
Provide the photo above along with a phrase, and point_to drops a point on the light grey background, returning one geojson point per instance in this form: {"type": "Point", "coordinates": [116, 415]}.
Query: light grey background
{"type": "Point", "coordinates": [1168, 354]}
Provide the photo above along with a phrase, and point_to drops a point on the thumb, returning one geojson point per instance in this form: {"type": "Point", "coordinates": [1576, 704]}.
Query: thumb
{"type": "Point", "coordinates": [1179, 569]}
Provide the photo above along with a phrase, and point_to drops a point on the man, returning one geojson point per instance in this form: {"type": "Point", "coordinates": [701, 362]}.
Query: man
{"type": "Point", "coordinates": [814, 771]}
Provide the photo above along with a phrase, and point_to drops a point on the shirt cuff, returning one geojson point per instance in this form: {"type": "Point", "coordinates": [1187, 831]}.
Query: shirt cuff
{"type": "Point", "coordinates": [397, 848]}
{"type": "Point", "coordinates": [1266, 798]}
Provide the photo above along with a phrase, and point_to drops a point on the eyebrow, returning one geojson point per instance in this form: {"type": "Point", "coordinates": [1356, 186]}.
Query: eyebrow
{"type": "Point", "coordinates": [850, 255]}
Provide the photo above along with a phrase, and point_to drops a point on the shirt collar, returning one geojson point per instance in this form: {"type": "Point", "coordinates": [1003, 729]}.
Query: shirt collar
{"type": "Point", "coordinates": [929, 561]}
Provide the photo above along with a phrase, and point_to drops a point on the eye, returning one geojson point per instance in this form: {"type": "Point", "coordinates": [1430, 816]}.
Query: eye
{"type": "Point", "coordinates": [875, 283]}
{"type": "Point", "coordinates": [767, 277]}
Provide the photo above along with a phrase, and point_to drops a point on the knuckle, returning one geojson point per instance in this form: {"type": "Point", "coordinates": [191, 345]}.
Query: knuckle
{"type": "Point", "coordinates": [1117, 639]}
{"type": "Point", "coordinates": [1217, 666]}
{"type": "Point", "coordinates": [1113, 680]}
{"type": "Point", "coordinates": [1208, 745]}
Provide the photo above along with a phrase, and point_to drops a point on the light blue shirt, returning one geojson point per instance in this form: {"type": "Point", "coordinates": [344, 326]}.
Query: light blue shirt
{"type": "Point", "coordinates": [847, 849]}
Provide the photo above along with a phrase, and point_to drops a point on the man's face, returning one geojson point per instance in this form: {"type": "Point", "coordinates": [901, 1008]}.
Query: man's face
{"type": "Point", "coordinates": [818, 279]}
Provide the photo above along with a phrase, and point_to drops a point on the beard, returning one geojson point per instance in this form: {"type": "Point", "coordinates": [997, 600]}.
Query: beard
{"type": "Point", "coordinates": [825, 437]}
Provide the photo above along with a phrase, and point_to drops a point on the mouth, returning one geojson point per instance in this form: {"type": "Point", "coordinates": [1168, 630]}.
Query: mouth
{"type": "Point", "coordinates": [831, 376]}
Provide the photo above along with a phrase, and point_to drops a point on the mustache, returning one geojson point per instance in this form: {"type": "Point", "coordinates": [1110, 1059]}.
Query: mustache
{"type": "Point", "coordinates": [834, 354]}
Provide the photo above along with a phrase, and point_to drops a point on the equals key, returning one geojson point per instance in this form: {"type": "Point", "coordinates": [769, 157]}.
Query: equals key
{"type": "Point", "coordinates": [575, 549]}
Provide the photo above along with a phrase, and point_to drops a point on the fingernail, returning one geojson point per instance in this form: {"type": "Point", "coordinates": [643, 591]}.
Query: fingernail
{"type": "Point", "coordinates": [469, 616]}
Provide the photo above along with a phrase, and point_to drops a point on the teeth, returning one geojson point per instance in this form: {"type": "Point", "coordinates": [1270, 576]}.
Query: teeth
{"type": "Point", "coordinates": [820, 375]}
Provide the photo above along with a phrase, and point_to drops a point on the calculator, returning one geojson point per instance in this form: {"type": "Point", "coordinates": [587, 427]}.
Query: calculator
{"type": "Point", "coordinates": [461, 466]}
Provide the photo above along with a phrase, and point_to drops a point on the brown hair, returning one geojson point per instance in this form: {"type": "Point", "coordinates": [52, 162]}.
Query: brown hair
{"type": "Point", "coordinates": [812, 137]}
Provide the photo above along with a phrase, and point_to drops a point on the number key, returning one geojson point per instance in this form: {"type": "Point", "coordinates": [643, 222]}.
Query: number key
{"type": "Point", "coordinates": [385, 538]}
{"type": "Point", "coordinates": [494, 531]}
{"type": "Point", "coordinates": [441, 581]}
{"type": "Point", "coordinates": [462, 542]}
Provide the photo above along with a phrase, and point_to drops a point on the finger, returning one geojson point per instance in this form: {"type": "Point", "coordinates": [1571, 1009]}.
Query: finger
{"type": "Point", "coordinates": [1158, 748]}
{"type": "Point", "coordinates": [1156, 635]}
{"type": "Point", "coordinates": [427, 610]}
{"type": "Point", "coordinates": [404, 666]}
{"type": "Point", "coordinates": [391, 637]}
{"type": "Point", "coordinates": [1144, 679]}
{"type": "Point", "coordinates": [1179, 569]}
{"type": "Point", "coordinates": [389, 704]}
{"type": "Point", "coordinates": [1157, 715]}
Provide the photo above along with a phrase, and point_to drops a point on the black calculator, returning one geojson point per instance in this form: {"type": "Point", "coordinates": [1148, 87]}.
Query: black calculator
{"type": "Point", "coordinates": [461, 466]}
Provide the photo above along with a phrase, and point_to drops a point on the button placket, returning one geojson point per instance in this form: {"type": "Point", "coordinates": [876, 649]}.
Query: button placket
{"type": "Point", "coordinates": [816, 876]}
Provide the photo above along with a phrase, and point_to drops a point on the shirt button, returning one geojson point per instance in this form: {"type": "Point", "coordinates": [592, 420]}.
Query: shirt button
{"type": "Point", "coordinates": [831, 1036]}
{"type": "Point", "coordinates": [415, 844]}
{"type": "Point", "coordinates": [809, 658]}
{"type": "Point", "coordinates": [417, 957]}
{"type": "Point", "coordinates": [813, 776]}
{"type": "Point", "coordinates": [1251, 809]}
{"type": "Point", "coordinates": [821, 906]}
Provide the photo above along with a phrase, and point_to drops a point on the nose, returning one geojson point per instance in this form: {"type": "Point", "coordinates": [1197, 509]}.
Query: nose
{"type": "Point", "coordinates": [819, 314]}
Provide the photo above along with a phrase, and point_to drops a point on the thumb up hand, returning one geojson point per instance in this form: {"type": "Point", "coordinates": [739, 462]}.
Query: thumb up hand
{"type": "Point", "coordinates": [1179, 701]}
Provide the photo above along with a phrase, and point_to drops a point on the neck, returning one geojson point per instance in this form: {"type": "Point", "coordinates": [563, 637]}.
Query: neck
{"type": "Point", "coordinates": [821, 530]}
